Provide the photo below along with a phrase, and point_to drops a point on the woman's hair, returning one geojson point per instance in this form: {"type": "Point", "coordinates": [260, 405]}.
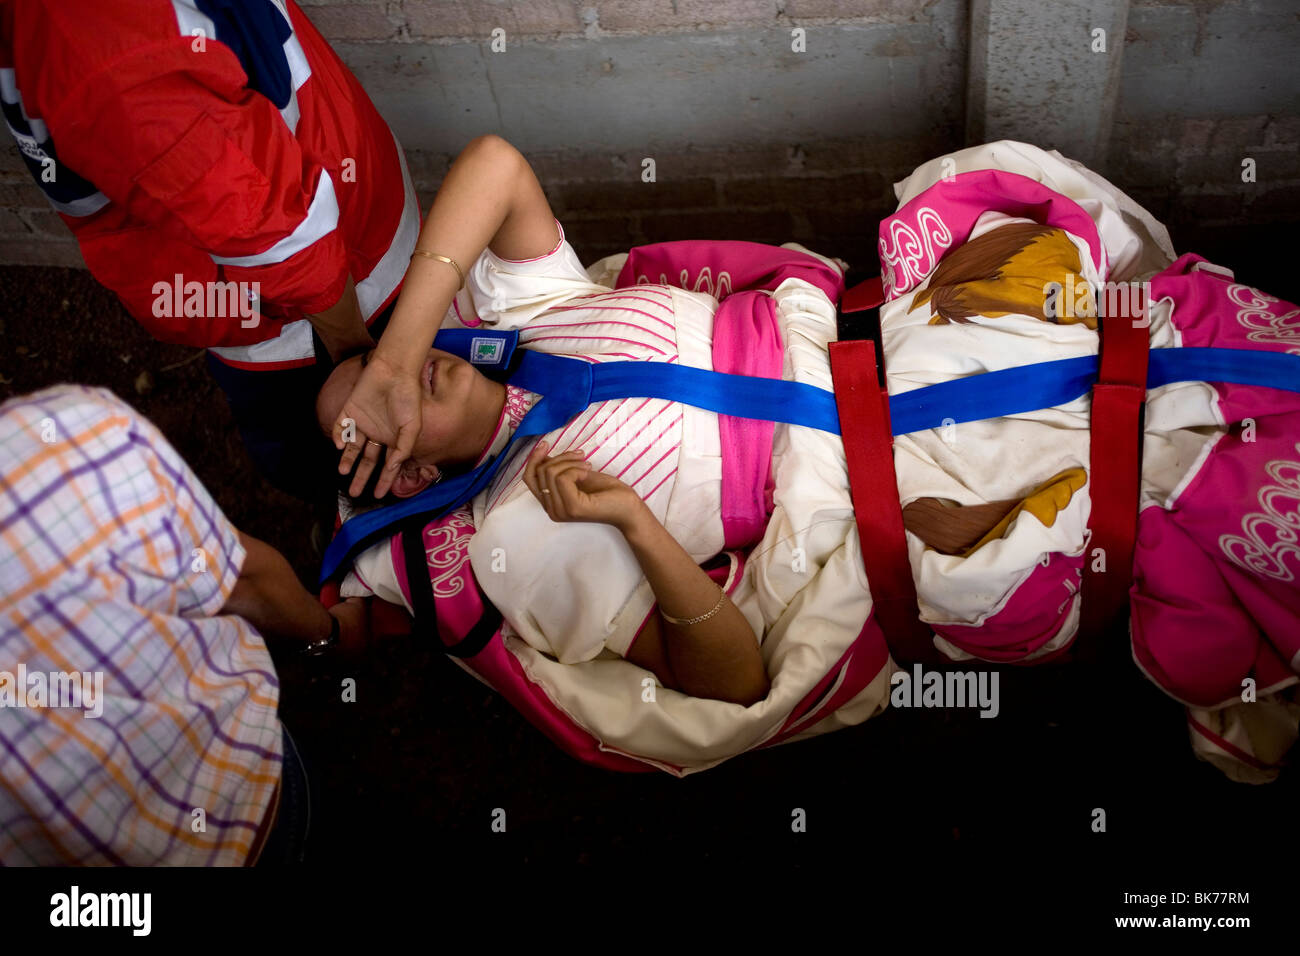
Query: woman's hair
{"type": "Point", "coordinates": [367, 497]}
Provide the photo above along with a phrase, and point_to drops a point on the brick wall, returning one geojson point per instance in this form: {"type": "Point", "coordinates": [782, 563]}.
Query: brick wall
{"type": "Point", "coordinates": [829, 196]}
{"type": "Point", "coordinates": [1206, 86]}
{"type": "Point", "coordinates": [751, 140]}
{"type": "Point", "coordinates": [31, 233]}
{"type": "Point", "coordinates": [406, 21]}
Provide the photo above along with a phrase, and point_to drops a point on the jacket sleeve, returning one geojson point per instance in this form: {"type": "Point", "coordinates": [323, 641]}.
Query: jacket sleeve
{"type": "Point", "coordinates": [174, 137]}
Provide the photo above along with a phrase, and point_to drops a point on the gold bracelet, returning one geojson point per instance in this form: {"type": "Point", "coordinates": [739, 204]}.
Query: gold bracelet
{"type": "Point", "coordinates": [722, 596]}
{"type": "Point", "coordinates": [449, 261]}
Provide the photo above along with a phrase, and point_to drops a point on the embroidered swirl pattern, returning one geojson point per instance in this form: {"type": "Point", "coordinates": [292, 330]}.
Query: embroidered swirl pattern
{"type": "Point", "coordinates": [1280, 517]}
{"type": "Point", "coordinates": [703, 282]}
{"type": "Point", "coordinates": [446, 548]}
{"type": "Point", "coordinates": [908, 257]}
{"type": "Point", "coordinates": [518, 402]}
{"type": "Point", "coordinates": [1264, 323]}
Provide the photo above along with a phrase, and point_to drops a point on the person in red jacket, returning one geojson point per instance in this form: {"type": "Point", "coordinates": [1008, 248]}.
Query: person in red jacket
{"type": "Point", "coordinates": [228, 178]}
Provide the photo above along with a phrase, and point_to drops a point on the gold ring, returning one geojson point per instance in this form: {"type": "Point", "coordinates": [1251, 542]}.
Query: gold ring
{"type": "Point", "coordinates": [546, 491]}
{"type": "Point", "coordinates": [371, 441]}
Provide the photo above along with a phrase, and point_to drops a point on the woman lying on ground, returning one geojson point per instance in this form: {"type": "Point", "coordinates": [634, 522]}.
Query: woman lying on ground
{"type": "Point", "coordinates": [992, 261]}
{"type": "Point", "coordinates": [602, 527]}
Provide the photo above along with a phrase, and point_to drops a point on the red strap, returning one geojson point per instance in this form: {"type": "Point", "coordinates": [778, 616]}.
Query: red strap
{"type": "Point", "coordinates": [863, 296]}
{"type": "Point", "coordinates": [863, 408]}
{"type": "Point", "coordinates": [329, 594]}
{"type": "Point", "coordinates": [1115, 455]}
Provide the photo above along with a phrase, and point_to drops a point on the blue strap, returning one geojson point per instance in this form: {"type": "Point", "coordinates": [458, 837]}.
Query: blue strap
{"type": "Point", "coordinates": [1237, 366]}
{"type": "Point", "coordinates": [482, 348]}
{"type": "Point", "coordinates": [741, 396]}
{"type": "Point", "coordinates": [569, 385]}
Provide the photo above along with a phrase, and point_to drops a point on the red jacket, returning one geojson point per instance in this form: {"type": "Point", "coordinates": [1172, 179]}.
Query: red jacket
{"type": "Point", "coordinates": [155, 121]}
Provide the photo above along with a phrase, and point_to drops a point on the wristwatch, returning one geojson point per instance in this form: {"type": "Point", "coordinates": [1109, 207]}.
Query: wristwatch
{"type": "Point", "coordinates": [319, 646]}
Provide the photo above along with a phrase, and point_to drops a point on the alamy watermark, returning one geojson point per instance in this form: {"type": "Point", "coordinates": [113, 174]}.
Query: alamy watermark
{"type": "Point", "coordinates": [74, 690]}
{"type": "Point", "coordinates": [1085, 299]}
{"type": "Point", "coordinates": [922, 688]}
{"type": "Point", "coordinates": [213, 300]}
{"type": "Point", "coordinates": [75, 908]}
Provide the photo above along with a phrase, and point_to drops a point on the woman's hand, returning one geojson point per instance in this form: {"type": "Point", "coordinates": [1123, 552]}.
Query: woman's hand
{"type": "Point", "coordinates": [570, 490]}
{"type": "Point", "coordinates": [385, 409]}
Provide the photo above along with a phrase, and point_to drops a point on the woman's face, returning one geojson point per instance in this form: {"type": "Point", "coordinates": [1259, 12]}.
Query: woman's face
{"type": "Point", "coordinates": [449, 385]}
{"type": "Point", "coordinates": [456, 417]}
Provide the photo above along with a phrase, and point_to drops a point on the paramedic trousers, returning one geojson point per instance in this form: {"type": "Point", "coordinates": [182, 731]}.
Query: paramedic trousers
{"type": "Point", "coordinates": [286, 843]}
{"type": "Point", "coordinates": [275, 412]}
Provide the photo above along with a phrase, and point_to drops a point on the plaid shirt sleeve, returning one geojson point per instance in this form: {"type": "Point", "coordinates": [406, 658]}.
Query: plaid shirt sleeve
{"type": "Point", "coordinates": [137, 724]}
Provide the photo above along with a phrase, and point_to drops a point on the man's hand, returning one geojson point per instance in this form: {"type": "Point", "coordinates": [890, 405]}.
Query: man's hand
{"type": "Point", "coordinates": [269, 596]}
{"type": "Point", "coordinates": [354, 624]}
{"type": "Point", "coordinates": [383, 409]}
{"type": "Point", "coordinates": [570, 490]}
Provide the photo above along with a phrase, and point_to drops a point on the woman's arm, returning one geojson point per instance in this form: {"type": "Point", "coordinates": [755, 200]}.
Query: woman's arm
{"type": "Point", "coordinates": [341, 327]}
{"type": "Point", "coordinates": [490, 198]}
{"type": "Point", "coordinates": [717, 657]}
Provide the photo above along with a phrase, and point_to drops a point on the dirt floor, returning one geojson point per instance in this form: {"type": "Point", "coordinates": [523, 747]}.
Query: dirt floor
{"type": "Point", "coordinates": [415, 768]}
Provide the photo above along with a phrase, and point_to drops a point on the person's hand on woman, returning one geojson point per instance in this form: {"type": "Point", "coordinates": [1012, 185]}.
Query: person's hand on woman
{"type": "Point", "coordinates": [489, 199]}
{"type": "Point", "coordinates": [354, 624]}
{"type": "Point", "coordinates": [570, 490]}
{"type": "Point", "coordinates": [385, 397]}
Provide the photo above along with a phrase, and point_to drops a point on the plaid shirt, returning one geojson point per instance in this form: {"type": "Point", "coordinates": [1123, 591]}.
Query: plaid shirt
{"type": "Point", "coordinates": [115, 563]}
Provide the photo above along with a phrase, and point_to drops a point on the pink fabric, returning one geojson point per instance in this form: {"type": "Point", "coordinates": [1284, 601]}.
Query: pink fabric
{"type": "Point", "coordinates": [746, 341]}
{"type": "Point", "coordinates": [455, 593]}
{"type": "Point", "coordinates": [1032, 616]}
{"type": "Point", "coordinates": [722, 267]}
{"type": "Point", "coordinates": [914, 239]}
{"type": "Point", "coordinates": [1216, 597]}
